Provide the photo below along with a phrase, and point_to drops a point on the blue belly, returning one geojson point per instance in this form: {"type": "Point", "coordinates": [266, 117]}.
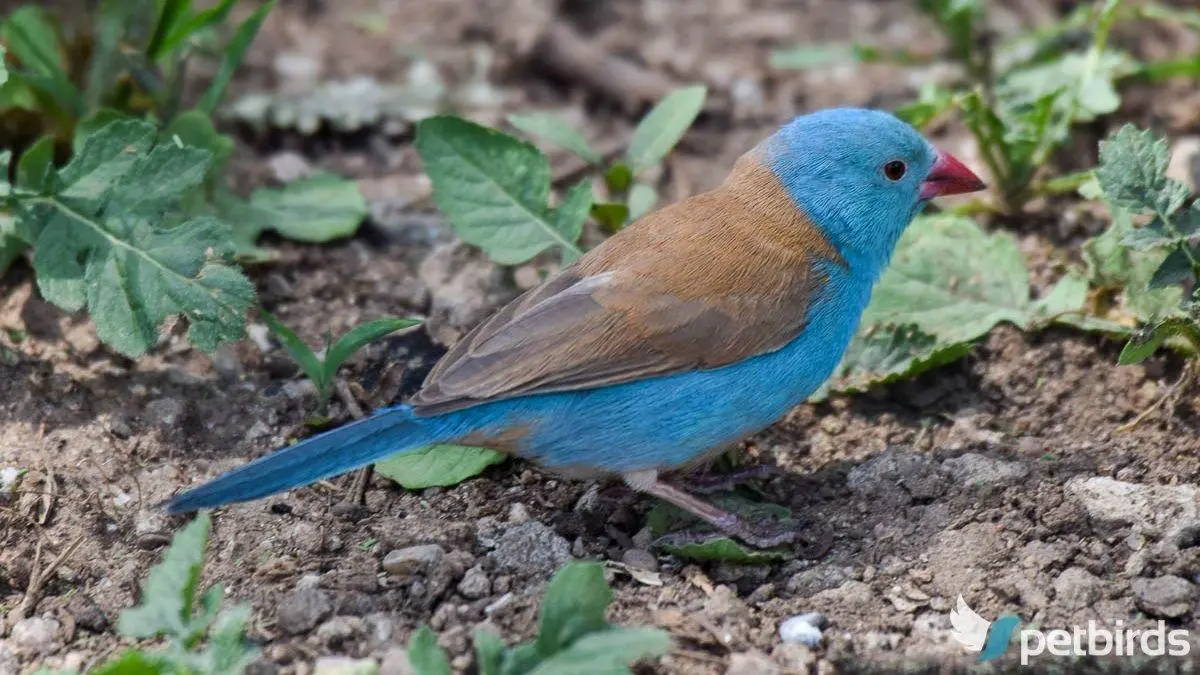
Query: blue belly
{"type": "Point", "coordinates": [665, 422]}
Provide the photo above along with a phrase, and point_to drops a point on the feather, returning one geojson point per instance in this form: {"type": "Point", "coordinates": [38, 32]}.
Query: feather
{"type": "Point", "coordinates": [709, 281]}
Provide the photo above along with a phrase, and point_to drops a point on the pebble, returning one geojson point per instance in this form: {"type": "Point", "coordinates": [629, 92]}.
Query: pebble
{"type": "Point", "coordinates": [531, 548]}
{"type": "Point", "coordinates": [301, 611]}
{"type": "Point", "coordinates": [344, 665]}
{"type": "Point", "coordinates": [339, 629]}
{"type": "Point", "coordinates": [1165, 597]}
{"type": "Point", "coordinates": [475, 584]}
{"type": "Point", "coordinates": [164, 412]}
{"type": "Point", "coordinates": [518, 513]}
{"type": "Point", "coordinates": [35, 635]}
{"type": "Point", "coordinates": [972, 469]}
{"type": "Point", "coordinates": [640, 559]}
{"type": "Point", "coordinates": [751, 663]}
{"type": "Point", "coordinates": [804, 629]}
{"type": "Point", "coordinates": [395, 662]}
{"type": "Point", "coordinates": [413, 559]}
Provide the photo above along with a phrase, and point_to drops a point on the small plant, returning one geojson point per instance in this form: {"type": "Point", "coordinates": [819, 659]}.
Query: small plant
{"type": "Point", "coordinates": [323, 369]}
{"type": "Point", "coordinates": [494, 188]}
{"type": "Point", "coordinates": [1158, 264]}
{"type": "Point", "coordinates": [201, 638]}
{"type": "Point", "coordinates": [653, 138]}
{"type": "Point", "coordinates": [573, 636]}
{"type": "Point", "coordinates": [1020, 97]}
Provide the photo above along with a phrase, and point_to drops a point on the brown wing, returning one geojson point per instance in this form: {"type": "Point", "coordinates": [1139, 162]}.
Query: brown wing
{"type": "Point", "coordinates": [703, 283]}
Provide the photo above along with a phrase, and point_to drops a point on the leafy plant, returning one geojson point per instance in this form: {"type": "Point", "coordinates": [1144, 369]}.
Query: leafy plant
{"type": "Point", "coordinates": [1021, 96]}
{"type": "Point", "coordinates": [1132, 177]}
{"type": "Point", "coordinates": [438, 465]}
{"type": "Point", "coordinates": [652, 139]}
{"type": "Point", "coordinates": [110, 234]}
{"type": "Point", "coordinates": [573, 636]}
{"type": "Point", "coordinates": [935, 300]}
{"type": "Point", "coordinates": [322, 370]}
{"type": "Point", "coordinates": [129, 59]}
{"type": "Point", "coordinates": [170, 609]}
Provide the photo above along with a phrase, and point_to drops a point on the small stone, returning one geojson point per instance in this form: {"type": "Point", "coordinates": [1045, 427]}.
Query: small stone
{"type": "Point", "coordinates": [1165, 597]}
{"type": "Point", "coordinates": [339, 629]}
{"type": "Point", "coordinates": [413, 559]}
{"type": "Point", "coordinates": [804, 629]}
{"type": "Point", "coordinates": [1076, 589]}
{"type": "Point", "coordinates": [526, 277]}
{"type": "Point", "coordinates": [164, 413]}
{"type": "Point", "coordinates": [36, 636]}
{"type": "Point", "coordinates": [344, 665]}
{"type": "Point", "coordinates": [972, 469]}
{"type": "Point", "coordinates": [257, 430]}
{"type": "Point", "coordinates": [301, 611]}
{"type": "Point", "coordinates": [226, 363]}
{"type": "Point", "coordinates": [395, 662]}
{"type": "Point", "coordinates": [287, 166]}
{"type": "Point", "coordinates": [306, 537]}
{"type": "Point", "coordinates": [475, 584]}
{"type": "Point", "coordinates": [299, 389]}
{"type": "Point", "coordinates": [794, 657]}
{"type": "Point", "coordinates": [531, 548]}
{"type": "Point", "coordinates": [751, 663]}
{"type": "Point", "coordinates": [117, 426]}
{"type": "Point", "coordinates": [518, 513]}
{"type": "Point", "coordinates": [640, 559]}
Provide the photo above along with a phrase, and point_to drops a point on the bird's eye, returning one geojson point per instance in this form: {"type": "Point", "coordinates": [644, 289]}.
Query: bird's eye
{"type": "Point", "coordinates": [895, 170]}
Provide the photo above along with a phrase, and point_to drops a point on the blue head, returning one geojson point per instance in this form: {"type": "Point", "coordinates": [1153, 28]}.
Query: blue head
{"type": "Point", "coordinates": [861, 176]}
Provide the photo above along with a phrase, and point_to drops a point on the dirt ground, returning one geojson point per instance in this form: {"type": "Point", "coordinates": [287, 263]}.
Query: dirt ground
{"type": "Point", "coordinates": [1003, 478]}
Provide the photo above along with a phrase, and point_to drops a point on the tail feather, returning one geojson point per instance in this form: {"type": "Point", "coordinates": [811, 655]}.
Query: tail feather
{"type": "Point", "coordinates": [386, 433]}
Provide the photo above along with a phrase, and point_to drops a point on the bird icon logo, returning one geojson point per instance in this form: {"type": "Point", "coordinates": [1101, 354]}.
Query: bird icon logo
{"type": "Point", "coordinates": [978, 634]}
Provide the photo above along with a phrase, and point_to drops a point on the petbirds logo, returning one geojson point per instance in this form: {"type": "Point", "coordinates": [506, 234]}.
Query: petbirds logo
{"type": "Point", "coordinates": [980, 635]}
{"type": "Point", "coordinates": [991, 638]}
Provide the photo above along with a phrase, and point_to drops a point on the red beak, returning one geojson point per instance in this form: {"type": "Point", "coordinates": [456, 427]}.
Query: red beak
{"type": "Point", "coordinates": [948, 176]}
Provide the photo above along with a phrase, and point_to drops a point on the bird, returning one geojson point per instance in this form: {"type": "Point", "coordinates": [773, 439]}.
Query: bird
{"type": "Point", "coordinates": [695, 326]}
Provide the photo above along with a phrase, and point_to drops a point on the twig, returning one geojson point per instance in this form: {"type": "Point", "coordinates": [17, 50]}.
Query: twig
{"type": "Point", "coordinates": [1171, 394]}
{"type": "Point", "coordinates": [569, 54]}
{"type": "Point", "coordinates": [38, 577]}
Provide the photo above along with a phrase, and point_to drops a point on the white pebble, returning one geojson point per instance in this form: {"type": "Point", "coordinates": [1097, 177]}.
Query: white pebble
{"type": "Point", "coordinates": [802, 630]}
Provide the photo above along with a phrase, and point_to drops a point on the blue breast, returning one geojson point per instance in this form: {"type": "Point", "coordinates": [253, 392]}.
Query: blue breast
{"type": "Point", "coordinates": [665, 422]}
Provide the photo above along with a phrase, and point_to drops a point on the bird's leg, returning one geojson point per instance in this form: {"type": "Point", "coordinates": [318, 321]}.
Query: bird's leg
{"type": "Point", "coordinates": [729, 523]}
{"type": "Point", "coordinates": [707, 482]}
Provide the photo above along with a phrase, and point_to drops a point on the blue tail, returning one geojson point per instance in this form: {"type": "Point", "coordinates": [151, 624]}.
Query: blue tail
{"type": "Point", "coordinates": [385, 433]}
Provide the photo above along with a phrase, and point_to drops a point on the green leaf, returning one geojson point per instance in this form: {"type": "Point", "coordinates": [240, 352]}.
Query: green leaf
{"type": "Point", "coordinates": [168, 595]}
{"type": "Point", "coordinates": [810, 56]}
{"type": "Point", "coordinates": [425, 656]}
{"type": "Point", "coordinates": [361, 335]}
{"type": "Point", "coordinates": [300, 353]}
{"type": "Point", "coordinates": [95, 121]}
{"type": "Point", "coordinates": [489, 652]}
{"type": "Point", "coordinates": [107, 240]}
{"type": "Point", "coordinates": [494, 189]}
{"type": "Point", "coordinates": [1175, 269]}
{"type": "Point", "coordinates": [642, 198]}
{"type": "Point", "coordinates": [720, 547]}
{"type": "Point", "coordinates": [437, 465]}
{"type": "Point", "coordinates": [35, 169]}
{"type": "Point", "coordinates": [618, 177]}
{"type": "Point", "coordinates": [195, 128]}
{"type": "Point", "coordinates": [1133, 173]}
{"type": "Point", "coordinates": [317, 209]}
{"type": "Point", "coordinates": [884, 354]}
{"type": "Point", "coordinates": [663, 126]}
{"type": "Point", "coordinates": [571, 214]}
{"type": "Point", "coordinates": [11, 247]}
{"type": "Point", "coordinates": [135, 662]}
{"type": "Point", "coordinates": [176, 26]}
{"type": "Point", "coordinates": [110, 20]}
{"type": "Point", "coordinates": [935, 281]}
{"type": "Point", "coordinates": [235, 51]}
{"type": "Point", "coordinates": [1111, 264]}
{"type": "Point", "coordinates": [3, 65]}
{"type": "Point", "coordinates": [558, 131]}
{"type": "Point", "coordinates": [33, 36]}
{"type": "Point", "coordinates": [574, 606]}
{"type": "Point", "coordinates": [612, 216]}
{"type": "Point", "coordinates": [228, 651]}
{"type": "Point", "coordinates": [1147, 340]}
{"type": "Point", "coordinates": [609, 652]}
